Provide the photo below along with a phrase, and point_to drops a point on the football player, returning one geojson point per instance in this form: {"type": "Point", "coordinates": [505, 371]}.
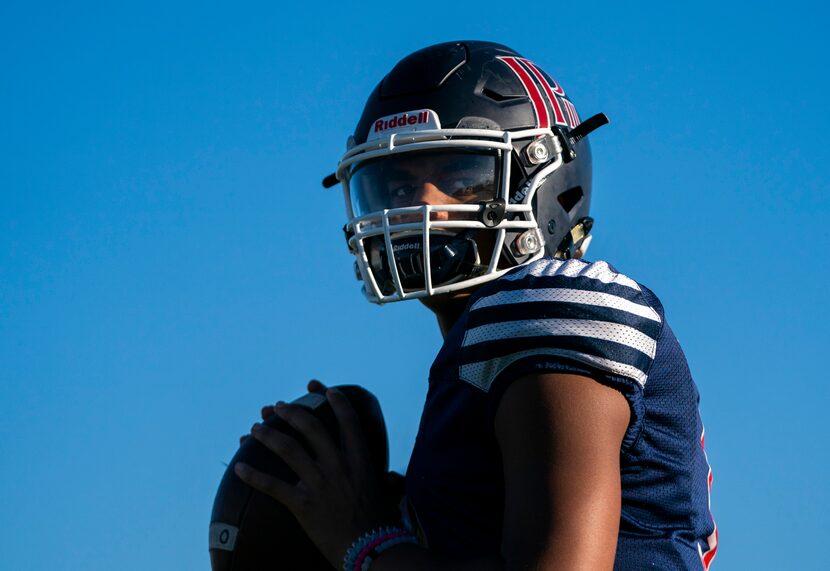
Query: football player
{"type": "Point", "coordinates": [561, 426]}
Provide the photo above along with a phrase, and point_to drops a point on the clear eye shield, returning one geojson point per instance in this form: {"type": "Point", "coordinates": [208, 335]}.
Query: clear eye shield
{"type": "Point", "coordinates": [439, 178]}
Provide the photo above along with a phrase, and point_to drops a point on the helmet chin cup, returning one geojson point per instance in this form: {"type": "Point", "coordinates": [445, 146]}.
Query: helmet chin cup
{"type": "Point", "coordinates": [452, 257]}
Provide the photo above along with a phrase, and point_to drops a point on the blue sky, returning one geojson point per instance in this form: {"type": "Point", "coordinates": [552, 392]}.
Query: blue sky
{"type": "Point", "coordinates": [169, 261]}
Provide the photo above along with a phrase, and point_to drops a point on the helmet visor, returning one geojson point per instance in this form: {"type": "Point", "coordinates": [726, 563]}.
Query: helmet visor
{"type": "Point", "coordinates": [442, 177]}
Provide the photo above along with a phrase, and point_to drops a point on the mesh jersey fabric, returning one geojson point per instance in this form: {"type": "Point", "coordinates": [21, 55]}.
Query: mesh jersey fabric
{"type": "Point", "coordinates": [567, 316]}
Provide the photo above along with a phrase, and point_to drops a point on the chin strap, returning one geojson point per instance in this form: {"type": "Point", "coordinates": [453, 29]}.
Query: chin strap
{"type": "Point", "coordinates": [576, 242]}
{"type": "Point", "coordinates": [580, 252]}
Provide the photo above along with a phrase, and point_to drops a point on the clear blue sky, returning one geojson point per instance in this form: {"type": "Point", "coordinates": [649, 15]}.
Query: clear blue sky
{"type": "Point", "coordinates": [169, 261]}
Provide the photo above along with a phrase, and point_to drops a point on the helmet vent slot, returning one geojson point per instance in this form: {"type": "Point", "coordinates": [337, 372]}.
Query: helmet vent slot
{"type": "Point", "coordinates": [496, 96]}
{"type": "Point", "coordinates": [570, 198]}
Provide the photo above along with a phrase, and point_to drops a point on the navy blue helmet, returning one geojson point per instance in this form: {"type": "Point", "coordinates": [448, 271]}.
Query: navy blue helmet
{"type": "Point", "coordinates": [468, 160]}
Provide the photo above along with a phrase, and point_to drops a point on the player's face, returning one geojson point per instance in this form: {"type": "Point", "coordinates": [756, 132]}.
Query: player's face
{"type": "Point", "coordinates": [399, 184]}
{"type": "Point", "coordinates": [437, 178]}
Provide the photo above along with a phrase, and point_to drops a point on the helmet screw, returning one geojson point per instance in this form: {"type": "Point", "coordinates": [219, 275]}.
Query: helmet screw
{"type": "Point", "coordinates": [540, 153]}
{"type": "Point", "coordinates": [551, 226]}
{"type": "Point", "coordinates": [528, 243]}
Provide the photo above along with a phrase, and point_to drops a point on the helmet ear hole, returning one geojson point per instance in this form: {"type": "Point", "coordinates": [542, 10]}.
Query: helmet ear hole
{"type": "Point", "coordinates": [570, 198]}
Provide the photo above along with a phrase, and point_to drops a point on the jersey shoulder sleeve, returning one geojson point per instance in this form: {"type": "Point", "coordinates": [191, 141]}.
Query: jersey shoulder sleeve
{"type": "Point", "coordinates": [555, 314]}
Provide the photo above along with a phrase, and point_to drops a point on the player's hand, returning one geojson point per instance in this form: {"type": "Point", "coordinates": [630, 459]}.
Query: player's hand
{"type": "Point", "coordinates": [315, 386]}
{"type": "Point", "coordinates": [338, 496]}
{"type": "Point", "coordinates": [267, 411]}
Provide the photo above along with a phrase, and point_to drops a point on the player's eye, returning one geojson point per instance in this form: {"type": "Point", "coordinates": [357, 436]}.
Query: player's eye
{"type": "Point", "coordinates": [402, 191]}
{"type": "Point", "coordinates": [459, 183]}
{"type": "Point", "coordinates": [463, 189]}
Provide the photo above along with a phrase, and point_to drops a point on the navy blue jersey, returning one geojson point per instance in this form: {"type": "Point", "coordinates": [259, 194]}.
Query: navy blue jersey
{"type": "Point", "coordinates": [569, 317]}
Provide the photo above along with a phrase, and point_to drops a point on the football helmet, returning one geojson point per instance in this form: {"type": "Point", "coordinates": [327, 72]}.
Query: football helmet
{"type": "Point", "coordinates": [468, 161]}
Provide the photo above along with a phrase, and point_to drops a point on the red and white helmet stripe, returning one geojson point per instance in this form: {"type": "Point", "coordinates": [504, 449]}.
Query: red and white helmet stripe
{"type": "Point", "coordinates": [551, 92]}
{"type": "Point", "coordinates": [549, 96]}
{"type": "Point", "coordinates": [539, 107]}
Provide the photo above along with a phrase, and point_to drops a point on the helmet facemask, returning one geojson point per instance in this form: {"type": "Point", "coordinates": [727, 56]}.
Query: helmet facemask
{"type": "Point", "coordinates": [432, 212]}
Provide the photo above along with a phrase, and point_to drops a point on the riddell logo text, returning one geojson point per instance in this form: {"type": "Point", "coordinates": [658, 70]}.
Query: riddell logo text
{"type": "Point", "coordinates": [404, 247]}
{"type": "Point", "coordinates": [401, 121]}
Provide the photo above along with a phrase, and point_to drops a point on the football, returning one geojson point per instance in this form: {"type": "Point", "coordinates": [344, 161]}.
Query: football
{"type": "Point", "coordinates": [250, 531]}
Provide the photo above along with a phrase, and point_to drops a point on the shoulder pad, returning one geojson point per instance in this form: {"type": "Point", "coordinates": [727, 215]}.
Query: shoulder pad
{"type": "Point", "coordinates": [561, 310]}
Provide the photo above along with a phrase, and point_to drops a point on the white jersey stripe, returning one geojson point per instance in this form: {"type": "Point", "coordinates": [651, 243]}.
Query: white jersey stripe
{"type": "Point", "coordinates": [567, 295]}
{"type": "Point", "coordinates": [604, 330]}
{"type": "Point", "coordinates": [482, 374]}
{"type": "Point", "coordinates": [573, 268]}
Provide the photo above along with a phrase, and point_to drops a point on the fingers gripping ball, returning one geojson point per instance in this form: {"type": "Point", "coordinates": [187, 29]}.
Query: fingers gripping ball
{"type": "Point", "coordinates": [250, 531]}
